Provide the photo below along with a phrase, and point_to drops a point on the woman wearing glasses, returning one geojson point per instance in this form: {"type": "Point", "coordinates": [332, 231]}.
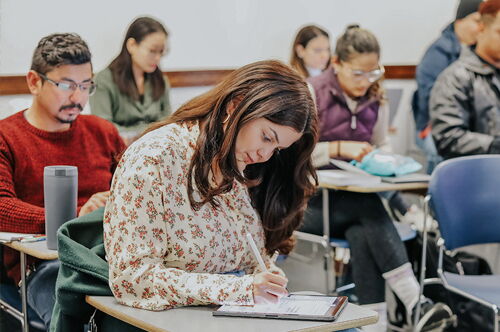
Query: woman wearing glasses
{"type": "Point", "coordinates": [132, 91]}
{"type": "Point", "coordinates": [353, 121]}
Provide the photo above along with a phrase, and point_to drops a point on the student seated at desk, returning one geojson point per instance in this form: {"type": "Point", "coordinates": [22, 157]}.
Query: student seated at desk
{"type": "Point", "coordinates": [459, 34]}
{"type": "Point", "coordinates": [353, 120]}
{"type": "Point", "coordinates": [51, 132]}
{"type": "Point", "coordinates": [311, 51]}
{"type": "Point", "coordinates": [232, 161]}
{"type": "Point", "coordinates": [465, 101]}
{"type": "Point", "coordinates": [132, 92]}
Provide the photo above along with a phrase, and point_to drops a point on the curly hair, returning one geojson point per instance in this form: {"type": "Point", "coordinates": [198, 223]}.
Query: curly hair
{"type": "Point", "coordinates": [59, 49]}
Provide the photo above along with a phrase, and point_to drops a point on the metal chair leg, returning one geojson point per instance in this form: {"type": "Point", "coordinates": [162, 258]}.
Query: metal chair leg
{"type": "Point", "coordinates": [329, 272]}
{"type": "Point", "coordinates": [24, 300]}
{"type": "Point", "coordinates": [495, 318]}
{"type": "Point", "coordinates": [423, 263]}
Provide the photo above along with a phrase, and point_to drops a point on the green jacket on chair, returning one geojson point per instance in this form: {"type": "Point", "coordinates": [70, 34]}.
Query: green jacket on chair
{"type": "Point", "coordinates": [83, 271]}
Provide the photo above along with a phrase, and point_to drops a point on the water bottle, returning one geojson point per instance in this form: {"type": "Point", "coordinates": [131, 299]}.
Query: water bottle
{"type": "Point", "coordinates": [60, 192]}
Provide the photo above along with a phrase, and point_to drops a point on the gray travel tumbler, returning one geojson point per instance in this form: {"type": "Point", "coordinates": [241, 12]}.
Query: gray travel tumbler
{"type": "Point", "coordinates": [60, 193]}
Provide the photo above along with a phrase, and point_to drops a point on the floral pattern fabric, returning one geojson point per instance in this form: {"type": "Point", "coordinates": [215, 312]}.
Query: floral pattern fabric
{"type": "Point", "coordinates": [163, 254]}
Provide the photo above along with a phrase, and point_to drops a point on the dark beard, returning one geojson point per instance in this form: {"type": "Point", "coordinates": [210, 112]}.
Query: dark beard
{"type": "Point", "coordinates": [65, 121]}
{"type": "Point", "coordinates": [66, 107]}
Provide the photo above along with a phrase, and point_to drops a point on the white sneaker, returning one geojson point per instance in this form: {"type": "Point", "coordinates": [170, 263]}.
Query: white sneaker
{"type": "Point", "coordinates": [415, 216]}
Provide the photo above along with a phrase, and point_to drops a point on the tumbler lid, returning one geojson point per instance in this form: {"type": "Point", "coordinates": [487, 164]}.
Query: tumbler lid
{"type": "Point", "coordinates": [60, 170]}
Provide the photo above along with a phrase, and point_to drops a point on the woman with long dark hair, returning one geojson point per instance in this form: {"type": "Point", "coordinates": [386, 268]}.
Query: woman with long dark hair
{"type": "Point", "coordinates": [132, 91]}
{"type": "Point", "coordinates": [232, 161]}
{"type": "Point", "coordinates": [311, 51]}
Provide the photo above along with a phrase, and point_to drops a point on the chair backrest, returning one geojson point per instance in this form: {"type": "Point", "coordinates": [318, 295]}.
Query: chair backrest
{"type": "Point", "coordinates": [465, 199]}
{"type": "Point", "coordinates": [394, 96]}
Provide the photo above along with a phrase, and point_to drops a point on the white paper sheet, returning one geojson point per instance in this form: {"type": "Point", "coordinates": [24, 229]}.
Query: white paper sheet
{"type": "Point", "coordinates": [9, 237]}
{"type": "Point", "coordinates": [297, 304]}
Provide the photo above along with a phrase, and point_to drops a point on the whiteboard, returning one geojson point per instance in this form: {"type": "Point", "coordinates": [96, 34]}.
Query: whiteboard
{"type": "Point", "coordinates": [214, 34]}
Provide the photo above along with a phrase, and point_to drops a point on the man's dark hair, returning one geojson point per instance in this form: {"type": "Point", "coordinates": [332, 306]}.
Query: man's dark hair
{"type": "Point", "coordinates": [59, 49]}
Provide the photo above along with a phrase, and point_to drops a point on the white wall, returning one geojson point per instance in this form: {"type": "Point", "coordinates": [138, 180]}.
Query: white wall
{"type": "Point", "coordinates": [178, 96]}
{"type": "Point", "coordinates": [218, 33]}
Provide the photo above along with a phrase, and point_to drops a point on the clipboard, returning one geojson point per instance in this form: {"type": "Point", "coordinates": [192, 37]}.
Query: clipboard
{"type": "Point", "coordinates": [294, 306]}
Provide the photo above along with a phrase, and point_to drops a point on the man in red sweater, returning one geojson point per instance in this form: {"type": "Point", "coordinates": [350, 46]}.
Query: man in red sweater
{"type": "Point", "coordinates": [52, 132]}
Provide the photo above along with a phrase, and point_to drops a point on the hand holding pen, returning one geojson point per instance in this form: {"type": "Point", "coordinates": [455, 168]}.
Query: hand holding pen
{"type": "Point", "coordinates": [267, 287]}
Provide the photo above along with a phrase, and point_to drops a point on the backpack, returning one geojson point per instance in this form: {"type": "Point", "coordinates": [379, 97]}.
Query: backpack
{"type": "Point", "coordinates": [471, 316]}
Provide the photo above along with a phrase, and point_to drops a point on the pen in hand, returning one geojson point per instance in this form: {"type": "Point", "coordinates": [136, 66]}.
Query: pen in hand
{"type": "Point", "coordinates": [256, 253]}
{"type": "Point", "coordinates": [268, 287]}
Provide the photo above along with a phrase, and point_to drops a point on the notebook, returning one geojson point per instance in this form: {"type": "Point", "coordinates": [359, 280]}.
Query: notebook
{"type": "Point", "coordinates": [347, 175]}
{"type": "Point", "coordinates": [6, 237]}
{"type": "Point", "coordinates": [293, 306]}
{"type": "Point", "coordinates": [338, 177]}
{"type": "Point", "coordinates": [407, 178]}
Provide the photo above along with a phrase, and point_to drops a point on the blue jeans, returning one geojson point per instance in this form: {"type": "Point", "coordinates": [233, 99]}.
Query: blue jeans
{"type": "Point", "coordinates": [429, 148]}
{"type": "Point", "coordinates": [237, 273]}
{"type": "Point", "coordinates": [41, 287]}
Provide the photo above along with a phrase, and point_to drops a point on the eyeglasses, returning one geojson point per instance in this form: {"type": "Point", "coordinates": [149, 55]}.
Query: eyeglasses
{"type": "Point", "coordinates": [88, 87]}
{"type": "Point", "coordinates": [371, 76]}
{"type": "Point", "coordinates": [154, 52]}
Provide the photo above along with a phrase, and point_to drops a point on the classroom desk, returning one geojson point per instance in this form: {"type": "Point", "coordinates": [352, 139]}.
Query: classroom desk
{"type": "Point", "coordinates": [35, 249]}
{"type": "Point", "coordinates": [324, 240]}
{"type": "Point", "coordinates": [379, 187]}
{"type": "Point", "coordinates": [201, 319]}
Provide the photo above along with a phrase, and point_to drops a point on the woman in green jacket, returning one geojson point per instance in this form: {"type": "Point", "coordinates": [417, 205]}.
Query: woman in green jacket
{"type": "Point", "coordinates": [132, 91]}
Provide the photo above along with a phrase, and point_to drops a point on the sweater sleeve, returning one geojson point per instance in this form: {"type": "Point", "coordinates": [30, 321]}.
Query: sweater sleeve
{"type": "Point", "coordinates": [452, 115]}
{"type": "Point", "coordinates": [103, 101]}
{"type": "Point", "coordinates": [16, 215]}
{"type": "Point", "coordinates": [321, 154]}
{"type": "Point", "coordinates": [118, 146]}
{"type": "Point", "coordinates": [138, 237]}
{"type": "Point", "coordinates": [436, 59]}
{"type": "Point", "coordinates": [380, 138]}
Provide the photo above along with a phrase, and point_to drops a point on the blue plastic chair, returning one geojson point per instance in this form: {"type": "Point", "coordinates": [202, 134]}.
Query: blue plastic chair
{"type": "Point", "coordinates": [464, 196]}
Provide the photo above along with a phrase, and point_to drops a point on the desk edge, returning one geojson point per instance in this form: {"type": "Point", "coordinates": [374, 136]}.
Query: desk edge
{"type": "Point", "coordinates": [31, 251]}
{"type": "Point", "coordinates": [118, 315]}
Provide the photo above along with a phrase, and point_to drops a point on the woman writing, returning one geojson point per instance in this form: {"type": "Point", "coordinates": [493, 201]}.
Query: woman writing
{"type": "Point", "coordinates": [132, 91]}
{"type": "Point", "coordinates": [353, 120]}
{"type": "Point", "coordinates": [232, 161]}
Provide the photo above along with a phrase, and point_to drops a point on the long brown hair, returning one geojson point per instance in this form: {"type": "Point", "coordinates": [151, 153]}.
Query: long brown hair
{"type": "Point", "coordinates": [280, 187]}
{"type": "Point", "coordinates": [355, 41]}
{"type": "Point", "coordinates": [121, 66]}
{"type": "Point", "coordinates": [304, 36]}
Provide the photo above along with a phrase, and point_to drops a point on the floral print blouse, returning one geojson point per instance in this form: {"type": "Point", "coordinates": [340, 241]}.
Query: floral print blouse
{"type": "Point", "coordinates": [163, 254]}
